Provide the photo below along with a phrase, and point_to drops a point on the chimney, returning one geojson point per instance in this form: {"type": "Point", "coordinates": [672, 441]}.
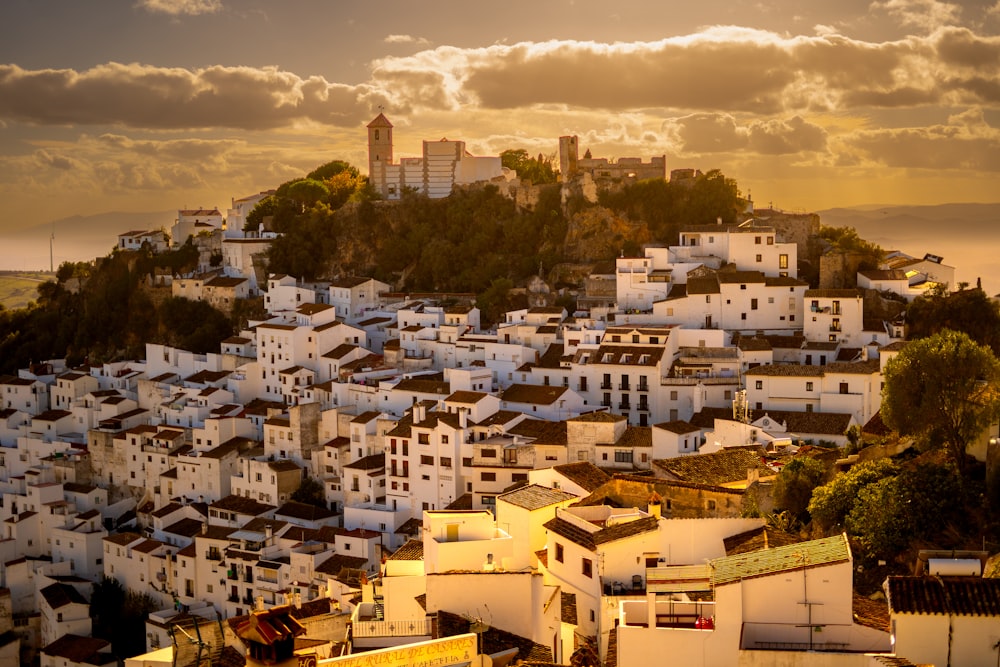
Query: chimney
{"type": "Point", "coordinates": [268, 533]}
{"type": "Point", "coordinates": [419, 413]}
{"type": "Point", "coordinates": [204, 527]}
{"type": "Point", "coordinates": [463, 418]}
{"type": "Point", "coordinates": [259, 603]}
{"type": "Point", "coordinates": [655, 505]}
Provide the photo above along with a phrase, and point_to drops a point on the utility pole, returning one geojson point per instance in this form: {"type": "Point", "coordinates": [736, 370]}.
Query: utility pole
{"type": "Point", "coordinates": [52, 240]}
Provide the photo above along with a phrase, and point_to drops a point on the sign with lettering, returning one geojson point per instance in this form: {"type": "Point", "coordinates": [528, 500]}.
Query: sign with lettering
{"type": "Point", "coordinates": [457, 650]}
{"type": "Point", "coordinates": [307, 661]}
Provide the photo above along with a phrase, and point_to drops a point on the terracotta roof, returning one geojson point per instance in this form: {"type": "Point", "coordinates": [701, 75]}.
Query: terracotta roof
{"type": "Point", "coordinates": [598, 417]}
{"type": "Point", "coordinates": [636, 436]}
{"type": "Point", "coordinates": [240, 505]}
{"type": "Point", "coordinates": [412, 550]}
{"type": "Point", "coordinates": [304, 511]}
{"type": "Point", "coordinates": [808, 423]}
{"type": "Point", "coordinates": [591, 540]}
{"type": "Point", "coordinates": [871, 613]}
{"type": "Point", "coordinates": [337, 563]}
{"type": "Point", "coordinates": [678, 426]}
{"type": "Point", "coordinates": [542, 432]}
{"type": "Point", "coordinates": [467, 397]}
{"type": "Point", "coordinates": [568, 607]}
{"type": "Point", "coordinates": [463, 502]}
{"type": "Point", "coordinates": [834, 294]}
{"type": "Point", "coordinates": [371, 462]}
{"type": "Point", "coordinates": [494, 640]}
{"type": "Point", "coordinates": [764, 537]}
{"type": "Point", "coordinates": [60, 595]}
{"type": "Point", "coordinates": [81, 650]}
{"type": "Point", "coordinates": [716, 469]}
{"type": "Point", "coordinates": [123, 539]}
{"type": "Point", "coordinates": [960, 596]}
{"type": "Point", "coordinates": [533, 394]}
{"type": "Point", "coordinates": [786, 370]}
{"type": "Point", "coordinates": [792, 557]}
{"type": "Point", "coordinates": [424, 386]}
{"type": "Point", "coordinates": [584, 474]}
{"type": "Point", "coordinates": [533, 497]}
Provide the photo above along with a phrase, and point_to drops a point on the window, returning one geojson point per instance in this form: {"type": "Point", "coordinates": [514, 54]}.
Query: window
{"type": "Point", "coordinates": [760, 258]}
{"type": "Point", "coordinates": [427, 460]}
{"type": "Point", "coordinates": [782, 261]}
{"type": "Point", "coordinates": [423, 438]}
{"type": "Point", "coordinates": [770, 240]}
{"type": "Point", "coordinates": [560, 552]}
{"type": "Point", "coordinates": [487, 477]}
{"type": "Point", "coordinates": [844, 388]}
{"type": "Point", "coordinates": [588, 568]}
{"type": "Point", "coordinates": [623, 456]}
{"type": "Point", "coordinates": [445, 462]}
{"type": "Point", "coordinates": [809, 386]}
{"type": "Point", "coordinates": [519, 477]}
{"type": "Point", "coordinates": [711, 504]}
{"type": "Point", "coordinates": [756, 240]}
{"type": "Point", "coordinates": [753, 304]}
{"type": "Point", "coordinates": [488, 453]}
{"type": "Point", "coordinates": [759, 384]}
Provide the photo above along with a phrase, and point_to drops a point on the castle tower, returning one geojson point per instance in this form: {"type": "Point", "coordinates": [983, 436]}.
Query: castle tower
{"type": "Point", "coordinates": [379, 151]}
{"type": "Point", "coordinates": [569, 154]}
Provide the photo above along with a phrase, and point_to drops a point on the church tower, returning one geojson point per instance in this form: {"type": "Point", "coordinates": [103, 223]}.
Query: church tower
{"type": "Point", "coordinates": [379, 151]}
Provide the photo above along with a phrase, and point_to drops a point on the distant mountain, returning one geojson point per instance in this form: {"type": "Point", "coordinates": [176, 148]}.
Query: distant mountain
{"type": "Point", "coordinates": [967, 236]}
{"type": "Point", "coordinates": [77, 238]}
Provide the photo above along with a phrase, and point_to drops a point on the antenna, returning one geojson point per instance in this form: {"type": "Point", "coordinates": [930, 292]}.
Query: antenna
{"type": "Point", "coordinates": [52, 240]}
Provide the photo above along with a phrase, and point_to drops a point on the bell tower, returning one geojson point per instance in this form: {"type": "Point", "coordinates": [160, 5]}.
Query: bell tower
{"type": "Point", "coordinates": [379, 151]}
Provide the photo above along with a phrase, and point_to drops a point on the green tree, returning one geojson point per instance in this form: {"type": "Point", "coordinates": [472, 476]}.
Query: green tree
{"type": "Point", "coordinates": [970, 311]}
{"type": "Point", "coordinates": [846, 239]}
{"type": "Point", "coordinates": [944, 389]}
{"type": "Point", "coordinates": [795, 483]}
{"type": "Point", "coordinates": [831, 503]}
{"type": "Point", "coordinates": [889, 515]}
{"type": "Point", "coordinates": [310, 492]}
{"type": "Point", "coordinates": [325, 172]}
{"type": "Point", "coordinates": [536, 170]}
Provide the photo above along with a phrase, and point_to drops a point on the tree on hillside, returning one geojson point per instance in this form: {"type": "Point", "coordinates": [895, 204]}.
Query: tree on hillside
{"type": "Point", "coordinates": [831, 503]}
{"type": "Point", "coordinates": [889, 515]}
{"type": "Point", "coordinates": [537, 170]}
{"type": "Point", "coordinates": [970, 311]}
{"type": "Point", "coordinates": [795, 483]}
{"type": "Point", "coordinates": [846, 239]}
{"type": "Point", "coordinates": [944, 389]}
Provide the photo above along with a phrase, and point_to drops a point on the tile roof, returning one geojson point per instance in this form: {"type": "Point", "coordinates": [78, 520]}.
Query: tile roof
{"type": "Point", "coordinates": [533, 394]}
{"type": "Point", "coordinates": [717, 469]}
{"type": "Point", "coordinates": [423, 386]}
{"type": "Point", "coordinates": [60, 595]}
{"type": "Point", "coordinates": [542, 432]}
{"type": "Point", "coordinates": [336, 564]}
{"type": "Point", "coordinates": [371, 462]}
{"type": "Point", "coordinates": [412, 550]}
{"type": "Point", "coordinates": [494, 640]}
{"type": "Point", "coordinates": [467, 397]}
{"type": "Point", "coordinates": [786, 370]}
{"type": "Point", "coordinates": [591, 540]}
{"type": "Point", "coordinates": [463, 502]}
{"type": "Point", "coordinates": [788, 558]}
{"type": "Point", "coordinates": [583, 473]}
{"type": "Point", "coordinates": [81, 650]}
{"type": "Point", "coordinates": [598, 417]}
{"type": "Point", "coordinates": [233, 503]}
{"type": "Point", "coordinates": [852, 293]}
{"type": "Point", "coordinates": [304, 511]}
{"type": "Point", "coordinates": [533, 497]}
{"type": "Point", "coordinates": [636, 436]}
{"type": "Point", "coordinates": [678, 426]}
{"type": "Point", "coordinates": [764, 537]}
{"type": "Point", "coordinates": [568, 601]}
{"type": "Point", "coordinates": [960, 596]}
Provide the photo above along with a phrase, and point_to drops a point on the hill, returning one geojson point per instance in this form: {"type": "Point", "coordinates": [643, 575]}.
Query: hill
{"type": "Point", "coordinates": [78, 238]}
{"type": "Point", "coordinates": [967, 236]}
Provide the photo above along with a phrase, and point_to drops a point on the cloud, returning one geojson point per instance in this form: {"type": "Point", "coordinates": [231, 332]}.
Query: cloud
{"type": "Point", "coordinates": [721, 133]}
{"type": "Point", "coordinates": [924, 14]}
{"type": "Point", "coordinates": [45, 158]}
{"type": "Point", "coordinates": [406, 39]}
{"type": "Point", "coordinates": [174, 98]}
{"type": "Point", "coordinates": [966, 142]}
{"type": "Point", "coordinates": [181, 7]}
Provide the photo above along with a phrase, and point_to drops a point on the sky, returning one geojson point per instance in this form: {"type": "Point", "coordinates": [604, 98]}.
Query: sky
{"type": "Point", "coordinates": [146, 105]}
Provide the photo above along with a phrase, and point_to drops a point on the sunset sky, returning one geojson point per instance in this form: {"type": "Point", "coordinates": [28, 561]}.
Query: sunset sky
{"type": "Point", "coordinates": [144, 105]}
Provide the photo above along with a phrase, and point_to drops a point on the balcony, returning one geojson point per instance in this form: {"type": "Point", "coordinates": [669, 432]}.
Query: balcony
{"type": "Point", "coordinates": [623, 386]}
{"type": "Point", "coordinates": [624, 405]}
{"type": "Point", "coordinates": [233, 598]}
{"type": "Point", "coordinates": [669, 614]}
{"type": "Point", "coordinates": [213, 554]}
{"type": "Point", "coordinates": [835, 327]}
{"type": "Point", "coordinates": [642, 386]}
{"type": "Point", "coordinates": [606, 404]}
{"type": "Point", "coordinates": [643, 407]}
{"type": "Point", "coordinates": [606, 385]}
